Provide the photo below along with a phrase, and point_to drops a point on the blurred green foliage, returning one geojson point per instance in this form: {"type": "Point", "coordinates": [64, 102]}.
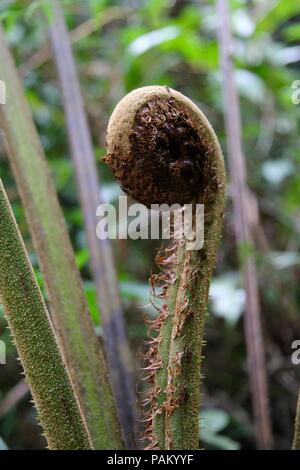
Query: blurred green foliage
{"type": "Point", "coordinates": [174, 42]}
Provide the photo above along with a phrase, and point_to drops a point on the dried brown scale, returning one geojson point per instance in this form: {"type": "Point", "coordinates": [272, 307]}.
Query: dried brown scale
{"type": "Point", "coordinates": [164, 261]}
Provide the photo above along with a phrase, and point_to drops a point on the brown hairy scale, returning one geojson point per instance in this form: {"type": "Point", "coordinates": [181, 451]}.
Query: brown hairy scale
{"type": "Point", "coordinates": [166, 261]}
{"type": "Point", "coordinates": [165, 164]}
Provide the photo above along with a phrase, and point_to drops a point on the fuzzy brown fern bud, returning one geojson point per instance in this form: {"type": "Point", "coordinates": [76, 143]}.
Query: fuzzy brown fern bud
{"type": "Point", "coordinates": [154, 148]}
{"type": "Point", "coordinates": [162, 149]}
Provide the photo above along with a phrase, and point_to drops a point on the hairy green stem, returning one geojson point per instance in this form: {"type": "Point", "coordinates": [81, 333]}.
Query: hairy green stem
{"type": "Point", "coordinates": [68, 307]}
{"type": "Point", "coordinates": [176, 408]}
{"type": "Point", "coordinates": [33, 335]}
{"type": "Point", "coordinates": [176, 389]}
{"type": "Point", "coordinates": [163, 150]}
{"type": "Point", "coordinates": [120, 362]}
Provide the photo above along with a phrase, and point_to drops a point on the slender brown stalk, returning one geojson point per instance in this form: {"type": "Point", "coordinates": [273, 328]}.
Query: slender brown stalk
{"type": "Point", "coordinates": [242, 218]}
{"type": "Point", "coordinates": [68, 306]}
{"type": "Point", "coordinates": [115, 337]}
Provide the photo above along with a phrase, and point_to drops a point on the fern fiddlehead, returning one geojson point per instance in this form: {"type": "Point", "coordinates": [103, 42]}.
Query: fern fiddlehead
{"type": "Point", "coordinates": [162, 149]}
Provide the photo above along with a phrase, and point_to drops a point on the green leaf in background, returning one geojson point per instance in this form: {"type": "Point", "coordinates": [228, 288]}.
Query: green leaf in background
{"type": "Point", "coordinates": [284, 260]}
{"type": "Point", "coordinates": [242, 23]}
{"type": "Point", "coordinates": [292, 32]}
{"type": "Point", "coordinates": [275, 171]}
{"type": "Point", "coordinates": [227, 297]}
{"type": "Point", "coordinates": [153, 38]}
{"type": "Point", "coordinates": [287, 55]}
{"type": "Point", "coordinates": [82, 258]}
{"type": "Point", "coordinates": [220, 442]}
{"type": "Point", "coordinates": [44, 5]}
{"type": "Point", "coordinates": [96, 7]}
{"type": "Point", "coordinates": [278, 12]}
{"type": "Point", "coordinates": [153, 11]}
{"type": "Point", "coordinates": [139, 292]}
{"type": "Point", "coordinates": [195, 51]}
{"type": "Point", "coordinates": [212, 421]}
{"type": "Point", "coordinates": [250, 86]}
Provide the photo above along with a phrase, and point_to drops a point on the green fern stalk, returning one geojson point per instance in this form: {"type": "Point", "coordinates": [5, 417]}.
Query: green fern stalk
{"type": "Point", "coordinates": [68, 306]}
{"type": "Point", "coordinates": [34, 338]}
{"type": "Point", "coordinates": [163, 150]}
